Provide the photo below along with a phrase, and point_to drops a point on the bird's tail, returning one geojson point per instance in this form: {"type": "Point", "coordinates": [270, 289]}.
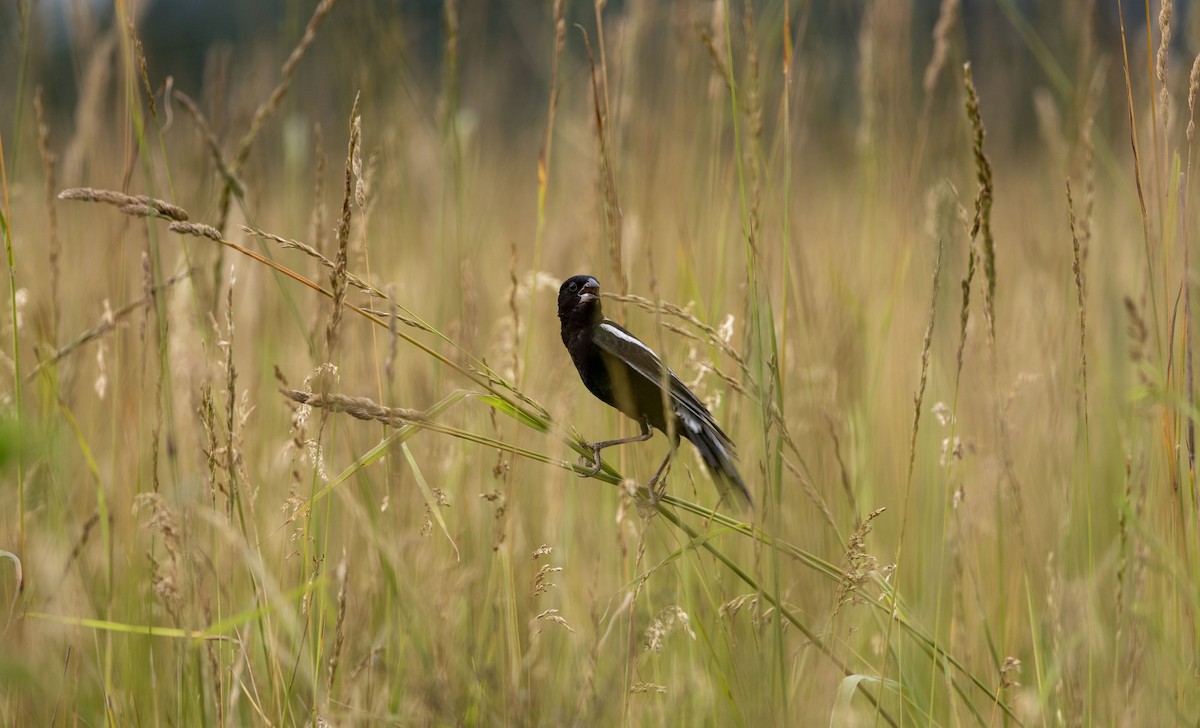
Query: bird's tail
{"type": "Point", "coordinates": [718, 454]}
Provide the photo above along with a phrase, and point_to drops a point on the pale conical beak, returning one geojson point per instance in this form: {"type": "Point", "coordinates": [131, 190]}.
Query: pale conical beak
{"type": "Point", "coordinates": [591, 290]}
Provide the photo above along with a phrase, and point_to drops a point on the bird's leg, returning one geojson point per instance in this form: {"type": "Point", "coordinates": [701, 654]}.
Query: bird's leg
{"type": "Point", "coordinates": [594, 464]}
{"type": "Point", "coordinates": [654, 487]}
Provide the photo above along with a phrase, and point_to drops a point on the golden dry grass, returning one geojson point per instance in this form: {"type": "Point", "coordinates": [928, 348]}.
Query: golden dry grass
{"type": "Point", "coordinates": [268, 465]}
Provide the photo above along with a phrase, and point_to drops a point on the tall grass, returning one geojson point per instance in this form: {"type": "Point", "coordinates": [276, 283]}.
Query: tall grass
{"type": "Point", "coordinates": [273, 466]}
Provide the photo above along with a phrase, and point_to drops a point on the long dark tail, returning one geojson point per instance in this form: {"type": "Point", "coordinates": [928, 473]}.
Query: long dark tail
{"type": "Point", "coordinates": [719, 455]}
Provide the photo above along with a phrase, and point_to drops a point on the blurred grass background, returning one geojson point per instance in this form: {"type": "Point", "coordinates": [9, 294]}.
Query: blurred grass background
{"type": "Point", "coordinates": [791, 174]}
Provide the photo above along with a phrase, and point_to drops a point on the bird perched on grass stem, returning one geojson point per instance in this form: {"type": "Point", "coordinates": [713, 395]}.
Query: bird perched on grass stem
{"type": "Point", "coordinates": [626, 374]}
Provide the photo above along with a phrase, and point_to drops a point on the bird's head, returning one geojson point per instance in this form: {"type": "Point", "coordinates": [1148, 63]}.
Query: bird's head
{"type": "Point", "coordinates": [579, 296]}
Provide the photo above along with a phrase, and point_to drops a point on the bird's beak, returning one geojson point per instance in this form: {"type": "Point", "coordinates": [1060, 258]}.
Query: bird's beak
{"type": "Point", "coordinates": [591, 291]}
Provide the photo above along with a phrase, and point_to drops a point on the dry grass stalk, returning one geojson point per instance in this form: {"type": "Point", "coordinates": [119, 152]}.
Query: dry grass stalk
{"type": "Point", "coordinates": [947, 14]}
{"type": "Point", "coordinates": [449, 104]}
{"type": "Point", "coordinates": [232, 452]}
{"type": "Point", "coordinates": [108, 322]}
{"type": "Point", "coordinates": [84, 534]}
{"type": "Point", "coordinates": [342, 574]}
{"type": "Point", "coordinates": [316, 225]}
{"type": "Point", "coordinates": [754, 115]}
{"type": "Point", "coordinates": [926, 345]}
{"type": "Point", "coordinates": [357, 407]}
{"type": "Point", "coordinates": [810, 490]}
{"type": "Point", "coordinates": [1193, 89]}
{"type": "Point", "coordinates": [139, 205]}
{"type": "Point", "coordinates": [560, 35]}
{"type": "Point", "coordinates": [96, 90]}
{"type": "Point", "coordinates": [49, 160]}
{"type": "Point", "coordinates": [1077, 270]}
{"type": "Point", "coordinates": [218, 675]}
{"type": "Point", "coordinates": [289, 244]}
{"type": "Point", "coordinates": [268, 107]}
{"type": "Point", "coordinates": [210, 142]}
{"type": "Point", "coordinates": [611, 217]}
{"type": "Point", "coordinates": [515, 312]}
{"type": "Point", "coordinates": [845, 474]}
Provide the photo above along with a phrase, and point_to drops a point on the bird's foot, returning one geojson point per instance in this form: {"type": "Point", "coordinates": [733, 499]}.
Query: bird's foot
{"type": "Point", "coordinates": [593, 464]}
{"type": "Point", "coordinates": [655, 490]}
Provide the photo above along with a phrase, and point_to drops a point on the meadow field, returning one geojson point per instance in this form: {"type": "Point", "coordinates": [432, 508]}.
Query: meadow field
{"type": "Point", "coordinates": [288, 435]}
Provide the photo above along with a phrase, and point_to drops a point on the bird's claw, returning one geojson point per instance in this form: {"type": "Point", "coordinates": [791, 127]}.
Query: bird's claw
{"type": "Point", "coordinates": [593, 464]}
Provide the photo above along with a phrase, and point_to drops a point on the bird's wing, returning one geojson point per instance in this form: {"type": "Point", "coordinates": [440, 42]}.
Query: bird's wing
{"type": "Point", "coordinates": [615, 340]}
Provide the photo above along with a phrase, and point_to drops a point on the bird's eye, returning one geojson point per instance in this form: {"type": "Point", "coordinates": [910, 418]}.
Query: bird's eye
{"type": "Point", "coordinates": [574, 287]}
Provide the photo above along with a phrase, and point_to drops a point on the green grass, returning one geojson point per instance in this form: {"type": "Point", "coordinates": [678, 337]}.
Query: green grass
{"type": "Point", "coordinates": [974, 497]}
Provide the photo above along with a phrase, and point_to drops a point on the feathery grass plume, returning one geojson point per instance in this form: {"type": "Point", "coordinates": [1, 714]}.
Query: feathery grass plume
{"type": "Point", "coordinates": [1139, 338]}
{"type": "Point", "coordinates": [107, 323]}
{"type": "Point", "coordinates": [1078, 272]}
{"type": "Point", "coordinates": [342, 575]}
{"type": "Point", "coordinates": [198, 229]}
{"type": "Point", "coordinates": [214, 666]}
{"type": "Point", "coordinates": [54, 247]}
{"type": "Point", "coordinates": [209, 447]}
{"type": "Point", "coordinates": [981, 227]}
{"type": "Point", "coordinates": [337, 278]}
{"type": "Point", "coordinates": [232, 451]}
{"type": "Point", "coordinates": [1010, 670]}
{"type": "Point", "coordinates": [1160, 63]}
{"type": "Point", "coordinates": [858, 566]}
{"type": "Point", "coordinates": [140, 57]}
{"type": "Point", "coordinates": [165, 524]}
{"type": "Point", "coordinates": [139, 205]}
{"type": "Point", "coordinates": [210, 142]}
{"type": "Point", "coordinates": [664, 623]}
{"type": "Point", "coordinates": [1193, 89]}
{"type": "Point", "coordinates": [541, 580]}
{"type": "Point", "coordinates": [1123, 546]}
{"type": "Point", "coordinates": [716, 53]}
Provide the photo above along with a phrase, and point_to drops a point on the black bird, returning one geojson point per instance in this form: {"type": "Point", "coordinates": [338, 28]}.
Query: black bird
{"type": "Point", "coordinates": [626, 374]}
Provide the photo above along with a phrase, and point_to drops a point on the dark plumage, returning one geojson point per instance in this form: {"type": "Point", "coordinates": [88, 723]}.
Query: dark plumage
{"type": "Point", "coordinates": [626, 374]}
